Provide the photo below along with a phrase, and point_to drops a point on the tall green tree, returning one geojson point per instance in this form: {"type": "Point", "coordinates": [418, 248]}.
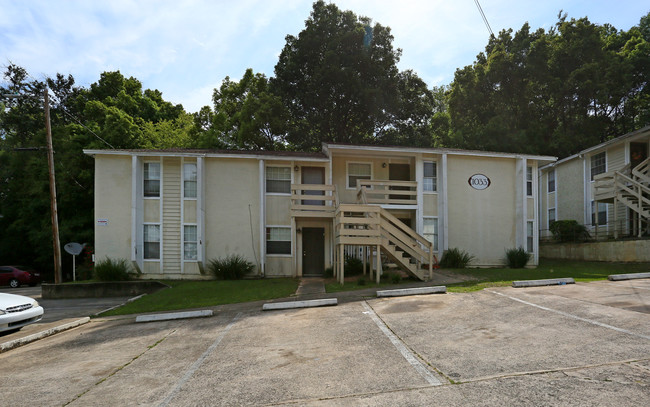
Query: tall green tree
{"type": "Point", "coordinates": [247, 115]}
{"type": "Point", "coordinates": [338, 78]}
{"type": "Point", "coordinates": [554, 92]}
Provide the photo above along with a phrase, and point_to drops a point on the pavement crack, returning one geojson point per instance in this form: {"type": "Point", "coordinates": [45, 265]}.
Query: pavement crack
{"type": "Point", "coordinates": [119, 368]}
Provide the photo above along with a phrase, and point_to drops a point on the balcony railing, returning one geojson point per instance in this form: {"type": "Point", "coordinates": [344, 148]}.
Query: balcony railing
{"type": "Point", "coordinates": [309, 200]}
{"type": "Point", "coordinates": [385, 192]}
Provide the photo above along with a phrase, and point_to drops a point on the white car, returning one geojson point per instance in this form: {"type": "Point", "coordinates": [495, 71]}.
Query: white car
{"type": "Point", "coordinates": [16, 311]}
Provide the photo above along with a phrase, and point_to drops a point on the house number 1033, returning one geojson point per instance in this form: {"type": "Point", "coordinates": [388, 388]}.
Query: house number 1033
{"type": "Point", "coordinates": [479, 181]}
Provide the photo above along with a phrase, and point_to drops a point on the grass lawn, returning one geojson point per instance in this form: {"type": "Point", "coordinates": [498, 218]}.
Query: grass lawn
{"type": "Point", "coordinates": [498, 277]}
{"type": "Point", "coordinates": [197, 294]}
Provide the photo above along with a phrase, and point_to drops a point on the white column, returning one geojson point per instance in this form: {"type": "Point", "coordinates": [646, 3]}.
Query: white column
{"type": "Point", "coordinates": [419, 178]}
{"type": "Point", "coordinates": [443, 205]}
{"type": "Point", "coordinates": [262, 229]}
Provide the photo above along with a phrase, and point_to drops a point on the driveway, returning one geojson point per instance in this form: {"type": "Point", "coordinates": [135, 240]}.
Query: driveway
{"type": "Point", "coordinates": [580, 345]}
{"type": "Point", "coordinates": [58, 312]}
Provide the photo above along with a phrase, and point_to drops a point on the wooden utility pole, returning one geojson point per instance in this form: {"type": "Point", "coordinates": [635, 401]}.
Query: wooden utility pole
{"type": "Point", "coordinates": [53, 210]}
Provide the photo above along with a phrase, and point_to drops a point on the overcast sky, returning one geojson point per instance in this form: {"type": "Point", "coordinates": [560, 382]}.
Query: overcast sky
{"type": "Point", "coordinates": [185, 48]}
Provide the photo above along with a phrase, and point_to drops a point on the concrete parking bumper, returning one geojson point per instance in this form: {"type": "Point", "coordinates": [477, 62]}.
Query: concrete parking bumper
{"type": "Point", "coordinates": [412, 291]}
{"type": "Point", "coordinates": [541, 283]}
{"type": "Point", "coordinates": [299, 304]}
{"type": "Point", "coordinates": [631, 276]}
{"type": "Point", "coordinates": [42, 334]}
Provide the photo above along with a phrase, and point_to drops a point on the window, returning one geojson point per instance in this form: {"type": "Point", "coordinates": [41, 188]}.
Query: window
{"type": "Point", "coordinates": [598, 164]}
{"type": "Point", "coordinates": [358, 171]}
{"type": "Point", "coordinates": [152, 241]}
{"type": "Point", "coordinates": [189, 180]}
{"type": "Point", "coordinates": [278, 180]}
{"type": "Point", "coordinates": [152, 179]}
{"type": "Point", "coordinates": [529, 181]}
{"type": "Point", "coordinates": [529, 236]}
{"type": "Point", "coordinates": [190, 242]}
{"type": "Point", "coordinates": [602, 213]}
{"type": "Point", "coordinates": [551, 216]}
{"type": "Point", "coordinates": [430, 177]}
{"type": "Point", "coordinates": [551, 181]}
{"type": "Point", "coordinates": [430, 231]}
{"type": "Point", "coordinates": [278, 240]}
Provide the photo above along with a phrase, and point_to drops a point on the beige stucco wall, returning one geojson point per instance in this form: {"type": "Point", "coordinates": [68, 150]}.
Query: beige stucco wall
{"type": "Point", "coordinates": [482, 222]}
{"type": "Point", "coordinates": [623, 251]}
{"type": "Point", "coordinates": [113, 203]}
{"type": "Point", "coordinates": [231, 188]}
{"type": "Point", "coordinates": [569, 177]}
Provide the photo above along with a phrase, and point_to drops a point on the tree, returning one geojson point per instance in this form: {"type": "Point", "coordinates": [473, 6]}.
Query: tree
{"type": "Point", "coordinates": [338, 78]}
{"type": "Point", "coordinates": [248, 116]}
{"type": "Point", "coordinates": [554, 92]}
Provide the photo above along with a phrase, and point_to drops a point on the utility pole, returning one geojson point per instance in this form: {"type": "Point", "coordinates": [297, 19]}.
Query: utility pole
{"type": "Point", "coordinates": [53, 210]}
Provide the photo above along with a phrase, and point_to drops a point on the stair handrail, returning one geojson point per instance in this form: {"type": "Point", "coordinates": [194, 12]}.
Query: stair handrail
{"type": "Point", "coordinates": [638, 188]}
{"type": "Point", "coordinates": [642, 171]}
{"type": "Point", "coordinates": [420, 240]}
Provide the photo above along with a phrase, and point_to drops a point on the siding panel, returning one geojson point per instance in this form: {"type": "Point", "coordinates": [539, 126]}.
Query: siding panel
{"type": "Point", "coordinates": [171, 228]}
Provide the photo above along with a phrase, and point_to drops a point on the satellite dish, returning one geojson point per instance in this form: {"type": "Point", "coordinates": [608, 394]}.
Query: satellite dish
{"type": "Point", "coordinates": [73, 248]}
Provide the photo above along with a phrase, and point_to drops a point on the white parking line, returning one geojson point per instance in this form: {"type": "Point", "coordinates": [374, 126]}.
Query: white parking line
{"type": "Point", "coordinates": [195, 366]}
{"type": "Point", "coordinates": [423, 371]}
{"type": "Point", "coordinates": [566, 314]}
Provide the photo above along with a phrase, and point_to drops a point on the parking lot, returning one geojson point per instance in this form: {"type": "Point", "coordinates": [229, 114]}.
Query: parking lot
{"type": "Point", "coordinates": [585, 344]}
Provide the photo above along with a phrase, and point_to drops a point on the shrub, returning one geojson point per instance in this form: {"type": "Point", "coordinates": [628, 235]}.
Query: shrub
{"type": "Point", "coordinates": [396, 278]}
{"type": "Point", "coordinates": [353, 266]}
{"type": "Point", "coordinates": [517, 258]}
{"type": "Point", "coordinates": [113, 270]}
{"type": "Point", "coordinates": [361, 281]}
{"type": "Point", "coordinates": [569, 231]}
{"type": "Point", "coordinates": [455, 259]}
{"type": "Point", "coordinates": [329, 272]}
{"type": "Point", "coordinates": [232, 267]}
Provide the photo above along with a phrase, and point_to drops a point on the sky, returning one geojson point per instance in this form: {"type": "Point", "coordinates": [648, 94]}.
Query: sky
{"type": "Point", "coordinates": [185, 48]}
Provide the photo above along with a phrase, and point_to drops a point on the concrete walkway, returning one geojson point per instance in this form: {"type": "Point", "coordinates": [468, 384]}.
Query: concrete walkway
{"type": "Point", "coordinates": [310, 287]}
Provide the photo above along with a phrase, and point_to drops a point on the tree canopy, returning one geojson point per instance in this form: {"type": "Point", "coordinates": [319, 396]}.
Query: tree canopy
{"type": "Point", "coordinates": [554, 92]}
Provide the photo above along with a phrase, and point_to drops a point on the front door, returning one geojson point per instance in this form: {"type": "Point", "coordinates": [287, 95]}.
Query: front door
{"type": "Point", "coordinates": [638, 153]}
{"type": "Point", "coordinates": [313, 251]}
{"type": "Point", "coordinates": [399, 172]}
{"type": "Point", "coordinates": [313, 176]}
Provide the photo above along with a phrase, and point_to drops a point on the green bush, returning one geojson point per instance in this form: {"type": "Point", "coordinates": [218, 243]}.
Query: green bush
{"type": "Point", "coordinates": [569, 231]}
{"type": "Point", "coordinates": [353, 266]}
{"type": "Point", "coordinates": [517, 258]}
{"type": "Point", "coordinates": [233, 267]}
{"type": "Point", "coordinates": [455, 259]}
{"type": "Point", "coordinates": [361, 281]}
{"type": "Point", "coordinates": [396, 278]}
{"type": "Point", "coordinates": [113, 270]}
{"type": "Point", "coordinates": [329, 272]}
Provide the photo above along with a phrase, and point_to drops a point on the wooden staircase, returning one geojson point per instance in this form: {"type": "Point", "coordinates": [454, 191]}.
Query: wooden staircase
{"type": "Point", "coordinates": [372, 226]}
{"type": "Point", "coordinates": [630, 188]}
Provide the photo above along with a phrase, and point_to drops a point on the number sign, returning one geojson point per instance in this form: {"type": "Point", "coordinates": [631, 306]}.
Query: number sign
{"type": "Point", "coordinates": [479, 181]}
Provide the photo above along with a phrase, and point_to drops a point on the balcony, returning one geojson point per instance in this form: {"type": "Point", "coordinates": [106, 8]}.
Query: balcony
{"type": "Point", "coordinates": [387, 193]}
{"type": "Point", "coordinates": [313, 201]}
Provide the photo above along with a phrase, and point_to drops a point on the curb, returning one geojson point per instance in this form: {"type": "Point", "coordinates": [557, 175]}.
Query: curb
{"type": "Point", "coordinates": [540, 283]}
{"type": "Point", "coordinates": [43, 334]}
{"type": "Point", "coordinates": [119, 305]}
{"type": "Point", "coordinates": [299, 304]}
{"type": "Point", "coordinates": [174, 315]}
{"type": "Point", "coordinates": [631, 276]}
{"type": "Point", "coordinates": [400, 292]}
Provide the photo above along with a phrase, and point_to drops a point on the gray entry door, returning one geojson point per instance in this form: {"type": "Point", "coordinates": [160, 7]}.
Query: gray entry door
{"type": "Point", "coordinates": [313, 251]}
{"type": "Point", "coordinates": [313, 176]}
{"type": "Point", "coordinates": [399, 172]}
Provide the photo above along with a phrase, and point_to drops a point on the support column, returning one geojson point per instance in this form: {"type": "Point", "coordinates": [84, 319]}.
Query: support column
{"type": "Point", "coordinates": [342, 264]}
{"type": "Point", "coordinates": [363, 253]}
{"type": "Point", "coordinates": [378, 273]}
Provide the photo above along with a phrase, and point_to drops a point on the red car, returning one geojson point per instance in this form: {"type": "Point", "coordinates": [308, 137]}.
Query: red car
{"type": "Point", "coordinates": [14, 276]}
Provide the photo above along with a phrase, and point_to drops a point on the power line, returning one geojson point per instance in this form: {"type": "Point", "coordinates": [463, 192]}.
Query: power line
{"type": "Point", "coordinates": [480, 10]}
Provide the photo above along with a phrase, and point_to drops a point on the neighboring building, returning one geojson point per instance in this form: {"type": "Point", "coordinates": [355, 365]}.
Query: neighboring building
{"type": "Point", "coordinates": [293, 214]}
{"type": "Point", "coordinates": [605, 187]}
